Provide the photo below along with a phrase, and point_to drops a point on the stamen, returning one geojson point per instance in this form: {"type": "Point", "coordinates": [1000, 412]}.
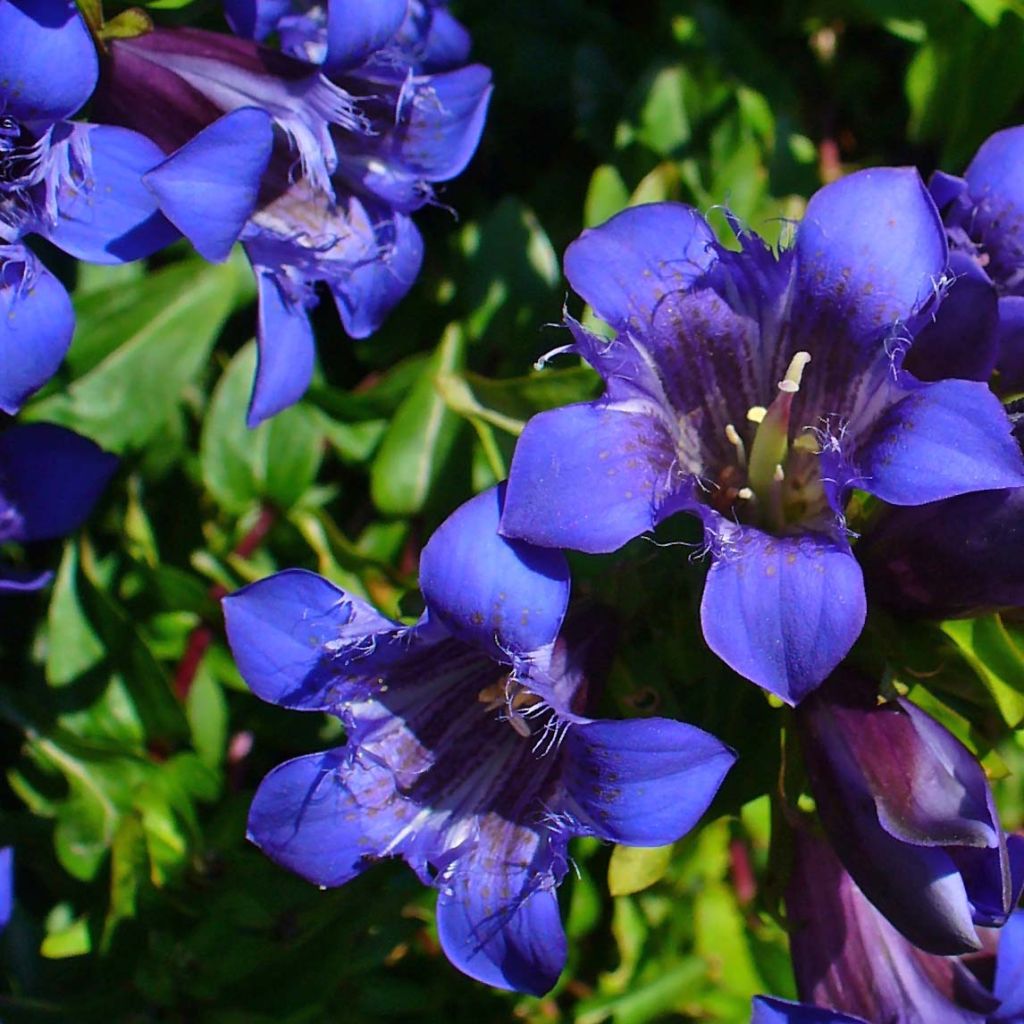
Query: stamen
{"type": "Point", "coordinates": [745, 494]}
{"type": "Point", "coordinates": [791, 383]}
{"type": "Point", "coordinates": [779, 475]}
{"type": "Point", "coordinates": [733, 437]}
{"type": "Point", "coordinates": [756, 413]}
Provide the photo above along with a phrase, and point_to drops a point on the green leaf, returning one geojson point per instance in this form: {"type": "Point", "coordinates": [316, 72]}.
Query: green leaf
{"type": "Point", "coordinates": [72, 645]}
{"type": "Point", "coordinates": [127, 393]}
{"type": "Point", "coordinates": [207, 712]}
{"type": "Point", "coordinates": [635, 868]}
{"type": "Point", "coordinates": [72, 939]}
{"type": "Point", "coordinates": [277, 462]}
{"type": "Point", "coordinates": [997, 660]}
{"type": "Point", "coordinates": [606, 195]}
{"type": "Point", "coordinates": [127, 872]}
{"type": "Point", "coordinates": [420, 438]}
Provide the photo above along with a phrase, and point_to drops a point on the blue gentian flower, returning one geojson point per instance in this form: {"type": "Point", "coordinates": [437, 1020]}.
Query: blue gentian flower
{"type": "Point", "coordinates": [848, 958]}
{"type": "Point", "coordinates": [6, 885]}
{"type": "Point", "coordinates": [754, 390]}
{"type": "Point", "coordinates": [50, 478]}
{"type": "Point", "coordinates": [78, 185]}
{"type": "Point", "coordinates": [470, 753]}
{"type": "Point", "coordinates": [981, 325]}
{"type": "Point", "coordinates": [321, 188]}
{"type": "Point", "coordinates": [910, 814]}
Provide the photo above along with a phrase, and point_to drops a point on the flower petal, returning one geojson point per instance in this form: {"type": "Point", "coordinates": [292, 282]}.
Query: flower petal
{"type": "Point", "coordinates": [53, 477]}
{"type": "Point", "coordinates": [783, 611]}
{"type": "Point", "coordinates": [21, 581]}
{"type": "Point", "coordinates": [36, 325]}
{"type": "Point", "coordinates": [1009, 982]}
{"type": "Point", "coordinates": [1010, 342]}
{"type": "Point", "coordinates": [290, 635]}
{"type": "Point", "coordinates": [209, 187]}
{"type": "Point", "coordinates": [643, 782]}
{"type": "Point", "coordinates": [286, 349]}
{"type": "Point", "coordinates": [356, 29]}
{"type": "Point", "coordinates": [255, 19]}
{"type": "Point", "coordinates": [499, 595]}
{"type": "Point", "coordinates": [942, 439]}
{"type": "Point", "coordinates": [519, 945]}
{"type": "Point", "coordinates": [323, 819]}
{"type": "Point", "coordinates": [769, 1010]}
{"type": "Point", "coordinates": [870, 252]}
{"type": "Point", "coordinates": [115, 218]}
{"type": "Point", "coordinates": [630, 265]}
{"type": "Point", "coordinates": [588, 477]}
{"type": "Point", "coordinates": [962, 341]}
{"type": "Point", "coordinates": [6, 884]}
{"type": "Point", "coordinates": [48, 65]}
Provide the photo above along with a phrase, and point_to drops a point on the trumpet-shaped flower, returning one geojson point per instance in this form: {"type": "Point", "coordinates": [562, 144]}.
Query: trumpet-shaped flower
{"type": "Point", "coordinates": [317, 176]}
{"type": "Point", "coordinates": [755, 390]}
{"type": "Point", "coordinates": [848, 958]}
{"type": "Point", "coordinates": [469, 753]}
{"type": "Point", "coordinates": [910, 814]}
{"type": "Point", "coordinates": [79, 185]}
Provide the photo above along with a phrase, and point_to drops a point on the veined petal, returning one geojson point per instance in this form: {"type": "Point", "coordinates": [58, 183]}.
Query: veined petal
{"type": "Point", "coordinates": [769, 1010]}
{"type": "Point", "coordinates": [286, 348]}
{"type": "Point", "coordinates": [629, 266]}
{"type": "Point", "coordinates": [113, 217]}
{"type": "Point", "coordinates": [48, 65]}
{"type": "Point", "coordinates": [296, 637]}
{"type": "Point", "coordinates": [870, 251]}
{"type": "Point", "coordinates": [52, 477]}
{"type": "Point", "coordinates": [498, 595]}
{"type": "Point", "coordinates": [36, 325]}
{"type": "Point", "coordinates": [324, 818]}
{"type": "Point", "coordinates": [356, 29]}
{"type": "Point", "coordinates": [589, 477]}
{"type": "Point", "coordinates": [209, 187]}
{"type": "Point", "coordinates": [783, 611]}
{"type": "Point", "coordinates": [643, 782]}
{"type": "Point", "coordinates": [962, 341]}
{"type": "Point", "coordinates": [502, 926]}
{"type": "Point", "coordinates": [1009, 982]}
{"type": "Point", "coordinates": [942, 439]}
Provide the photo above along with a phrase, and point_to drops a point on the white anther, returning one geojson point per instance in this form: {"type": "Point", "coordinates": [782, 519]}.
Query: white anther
{"type": "Point", "coordinates": [778, 476]}
{"type": "Point", "coordinates": [745, 493]}
{"type": "Point", "coordinates": [791, 383]}
{"type": "Point", "coordinates": [756, 413]}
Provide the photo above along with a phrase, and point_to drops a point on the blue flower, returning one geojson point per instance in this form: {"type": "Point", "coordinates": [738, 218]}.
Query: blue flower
{"type": "Point", "coordinates": [981, 325]}
{"type": "Point", "coordinates": [470, 753]}
{"type": "Point", "coordinates": [910, 814]}
{"type": "Point", "coordinates": [848, 958]}
{"type": "Point", "coordinates": [78, 185]}
{"type": "Point", "coordinates": [6, 885]}
{"type": "Point", "coordinates": [317, 175]}
{"type": "Point", "coordinates": [769, 1010]}
{"type": "Point", "coordinates": [754, 391]}
{"type": "Point", "coordinates": [50, 478]}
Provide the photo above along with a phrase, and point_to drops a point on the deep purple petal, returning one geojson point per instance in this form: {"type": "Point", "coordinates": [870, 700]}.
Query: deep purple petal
{"type": "Point", "coordinates": [521, 947]}
{"type": "Point", "coordinates": [910, 554]}
{"type": "Point", "coordinates": [1010, 343]}
{"type": "Point", "coordinates": [499, 595]}
{"type": "Point", "coordinates": [588, 477]}
{"type": "Point", "coordinates": [962, 341]}
{"type": "Point", "coordinates": [255, 19]}
{"type": "Point", "coordinates": [355, 29]}
{"type": "Point", "coordinates": [209, 187]}
{"type": "Point", "coordinates": [947, 438]}
{"type": "Point", "coordinates": [6, 884]}
{"type": "Point", "coordinates": [629, 266]}
{"type": "Point", "coordinates": [643, 782]}
{"type": "Point", "coordinates": [115, 218]}
{"type": "Point", "coordinates": [324, 819]}
{"type": "Point", "coordinates": [22, 581]}
{"type": "Point", "coordinates": [36, 325]}
{"type": "Point", "coordinates": [783, 611]}
{"type": "Point", "coordinates": [447, 43]}
{"type": "Point", "coordinates": [1009, 983]}
{"type": "Point", "coordinates": [995, 181]}
{"type": "Point", "coordinates": [769, 1010]}
{"type": "Point", "coordinates": [52, 477]}
{"type": "Point", "coordinates": [286, 350]}
{"type": "Point", "coordinates": [381, 277]}
{"type": "Point", "coordinates": [48, 65]}
{"type": "Point", "coordinates": [945, 188]}
{"type": "Point", "coordinates": [289, 633]}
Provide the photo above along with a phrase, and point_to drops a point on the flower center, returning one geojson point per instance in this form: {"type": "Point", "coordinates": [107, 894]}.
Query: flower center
{"type": "Point", "coordinates": [777, 484]}
{"type": "Point", "coordinates": [518, 702]}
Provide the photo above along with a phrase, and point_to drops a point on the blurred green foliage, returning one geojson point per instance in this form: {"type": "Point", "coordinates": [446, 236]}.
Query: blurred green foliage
{"type": "Point", "coordinates": [132, 747]}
